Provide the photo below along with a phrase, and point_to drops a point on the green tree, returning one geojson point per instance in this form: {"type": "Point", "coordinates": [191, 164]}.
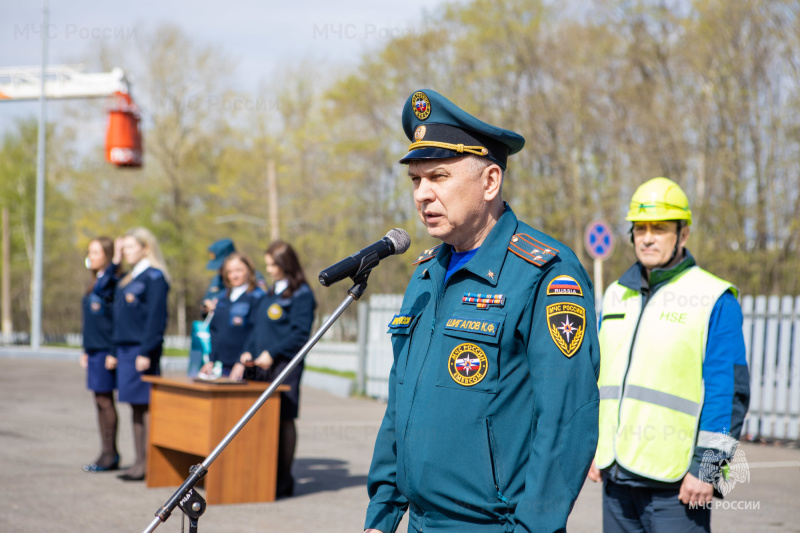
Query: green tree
{"type": "Point", "coordinates": [63, 280]}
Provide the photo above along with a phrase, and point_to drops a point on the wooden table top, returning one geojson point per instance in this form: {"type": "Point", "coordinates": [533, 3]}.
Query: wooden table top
{"type": "Point", "coordinates": [186, 382]}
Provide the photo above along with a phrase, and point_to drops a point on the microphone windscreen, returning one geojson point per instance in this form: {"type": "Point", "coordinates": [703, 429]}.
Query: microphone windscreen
{"type": "Point", "coordinates": [400, 239]}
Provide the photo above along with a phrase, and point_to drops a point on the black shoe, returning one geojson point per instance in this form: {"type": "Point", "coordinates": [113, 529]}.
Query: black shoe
{"type": "Point", "coordinates": [128, 477]}
{"type": "Point", "coordinates": [286, 491]}
{"type": "Point", "coordinates": [94, 467]}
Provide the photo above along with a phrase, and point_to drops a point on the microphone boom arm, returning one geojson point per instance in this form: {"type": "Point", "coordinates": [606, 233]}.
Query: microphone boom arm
{"type": "Point", "coordinates": [186, 492]}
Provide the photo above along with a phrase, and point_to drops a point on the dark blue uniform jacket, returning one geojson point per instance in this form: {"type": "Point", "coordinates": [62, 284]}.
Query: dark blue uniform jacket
{"type": "Point", "coordinates": [231, 325]}
{"type": "Point", "coordinates": [282, 325]}
{"type": "Point", "coordinates": [97, 307]}
{"type": "Point", "coordinates": [140, 312]}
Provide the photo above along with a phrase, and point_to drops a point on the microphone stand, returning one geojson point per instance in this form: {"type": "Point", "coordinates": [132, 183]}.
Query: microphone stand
{"type": "Point", "coordinates": [189, 500]}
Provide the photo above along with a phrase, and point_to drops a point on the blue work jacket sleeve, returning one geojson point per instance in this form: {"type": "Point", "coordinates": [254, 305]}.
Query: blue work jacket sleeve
{"type": "Point", "coordinates": [156, 322]}
{"type": "Point", "coordinates": [301, 318]}
{"type": "Point", "coordinates": [565, 406]}
{"type": "Point", "coordinates": [726, 383]}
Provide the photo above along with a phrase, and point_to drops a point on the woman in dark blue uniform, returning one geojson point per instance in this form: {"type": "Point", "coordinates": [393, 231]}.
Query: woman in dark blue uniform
{"type": "Point", "coordinates": [102, 259]}
{"type": "Point", "coordinates": [140, 318]}
{"type": "Point", "coordinates": [233, 312]}
{"type": "Point", "coordinates": [283, 322]}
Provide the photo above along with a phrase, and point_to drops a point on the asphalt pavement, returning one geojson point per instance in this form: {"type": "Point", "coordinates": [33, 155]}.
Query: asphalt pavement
{"type": "Point", "coordinates": [48, 430]}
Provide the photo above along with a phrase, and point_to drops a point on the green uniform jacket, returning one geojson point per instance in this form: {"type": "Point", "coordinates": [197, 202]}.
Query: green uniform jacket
{"type": "Point", "coordinates": [491, 422]}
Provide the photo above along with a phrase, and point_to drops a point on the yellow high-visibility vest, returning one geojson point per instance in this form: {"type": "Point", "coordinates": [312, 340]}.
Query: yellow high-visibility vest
{"type": "Point", "coordinates": [651, 374]}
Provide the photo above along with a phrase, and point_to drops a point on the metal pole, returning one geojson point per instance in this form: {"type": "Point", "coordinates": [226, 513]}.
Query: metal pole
{"type": "Point", "coordinates": [5, 292]}
{"type": "Point", "coordinates": [272, 184]}
{"type": "Point", "coordinates": [598, 285]}
{"type": "Point", "coordinates": [363, 339]}
{"type": "Point", "coordinates": [36, 284]}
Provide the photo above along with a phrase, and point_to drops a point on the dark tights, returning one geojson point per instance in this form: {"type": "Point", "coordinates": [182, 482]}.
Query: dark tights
{"type": "Point", "coordinates": [286, 445]}
{"type": "Point", "coordinates": [107, 420]}
{"type": "Point", "coordinates": [140, 419]}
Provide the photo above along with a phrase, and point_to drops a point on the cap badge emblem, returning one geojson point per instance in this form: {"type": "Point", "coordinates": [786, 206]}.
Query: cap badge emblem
{"type": "Point", "coordinates": [421, 105]}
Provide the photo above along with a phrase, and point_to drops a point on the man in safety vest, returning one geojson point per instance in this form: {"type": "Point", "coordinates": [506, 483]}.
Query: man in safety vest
{"type": "Point", "coordinates": [674, 384]}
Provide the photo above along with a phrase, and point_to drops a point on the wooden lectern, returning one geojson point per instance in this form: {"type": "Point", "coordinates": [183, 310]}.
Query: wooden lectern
{"type": "Point", "coordinates": [188, 419]}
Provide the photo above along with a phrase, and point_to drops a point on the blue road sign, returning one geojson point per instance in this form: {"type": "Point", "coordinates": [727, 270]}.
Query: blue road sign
{"type": "Point", "coordinates": [599, 240]}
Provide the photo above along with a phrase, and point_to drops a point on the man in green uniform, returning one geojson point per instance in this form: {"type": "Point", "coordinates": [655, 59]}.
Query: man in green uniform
{"type": "Point", "coordinates": [491, 421]}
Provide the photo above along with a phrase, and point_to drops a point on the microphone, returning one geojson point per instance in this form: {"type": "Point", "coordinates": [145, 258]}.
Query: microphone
{"type": "Point", "coordinates": [396, 241]}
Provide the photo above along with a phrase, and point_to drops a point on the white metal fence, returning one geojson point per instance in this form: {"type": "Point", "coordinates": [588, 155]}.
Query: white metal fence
{"type": "Point", "coordinates": [772, 337]}
{"type": "Point", "coordinates": [382, 307]}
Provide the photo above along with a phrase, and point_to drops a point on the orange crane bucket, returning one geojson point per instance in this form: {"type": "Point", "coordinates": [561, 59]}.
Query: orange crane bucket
{"type": "Point", "coordinates": [123, 138]}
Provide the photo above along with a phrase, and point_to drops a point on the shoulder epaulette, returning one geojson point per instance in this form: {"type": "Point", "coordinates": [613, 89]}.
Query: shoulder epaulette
{"type": "Point", "coordinates": [427, 255]}
{"type": "Point", "coordinates": [531, 250]}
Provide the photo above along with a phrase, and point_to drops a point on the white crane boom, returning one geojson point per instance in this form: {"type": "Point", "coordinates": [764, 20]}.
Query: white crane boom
{"type": "Point", "coordinates": [61, 81]}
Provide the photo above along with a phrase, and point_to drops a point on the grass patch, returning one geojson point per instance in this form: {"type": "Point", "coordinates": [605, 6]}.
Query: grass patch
{"type": "Point", "coordinates": [341, 373]}
{"type": "Point", "coordinates": [60, 345]}
{"type": "Point", "coordinates": [169, 352]}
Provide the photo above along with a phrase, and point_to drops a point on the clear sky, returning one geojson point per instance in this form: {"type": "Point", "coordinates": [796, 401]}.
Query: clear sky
{"type": "Point", "coordinates": [260, 36]}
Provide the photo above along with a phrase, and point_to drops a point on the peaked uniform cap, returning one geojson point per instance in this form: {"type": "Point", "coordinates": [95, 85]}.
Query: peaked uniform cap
{"type": "Point", "coordinates": [219, 251]}
{"type": "Point", "coordinates": [439, 129]}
